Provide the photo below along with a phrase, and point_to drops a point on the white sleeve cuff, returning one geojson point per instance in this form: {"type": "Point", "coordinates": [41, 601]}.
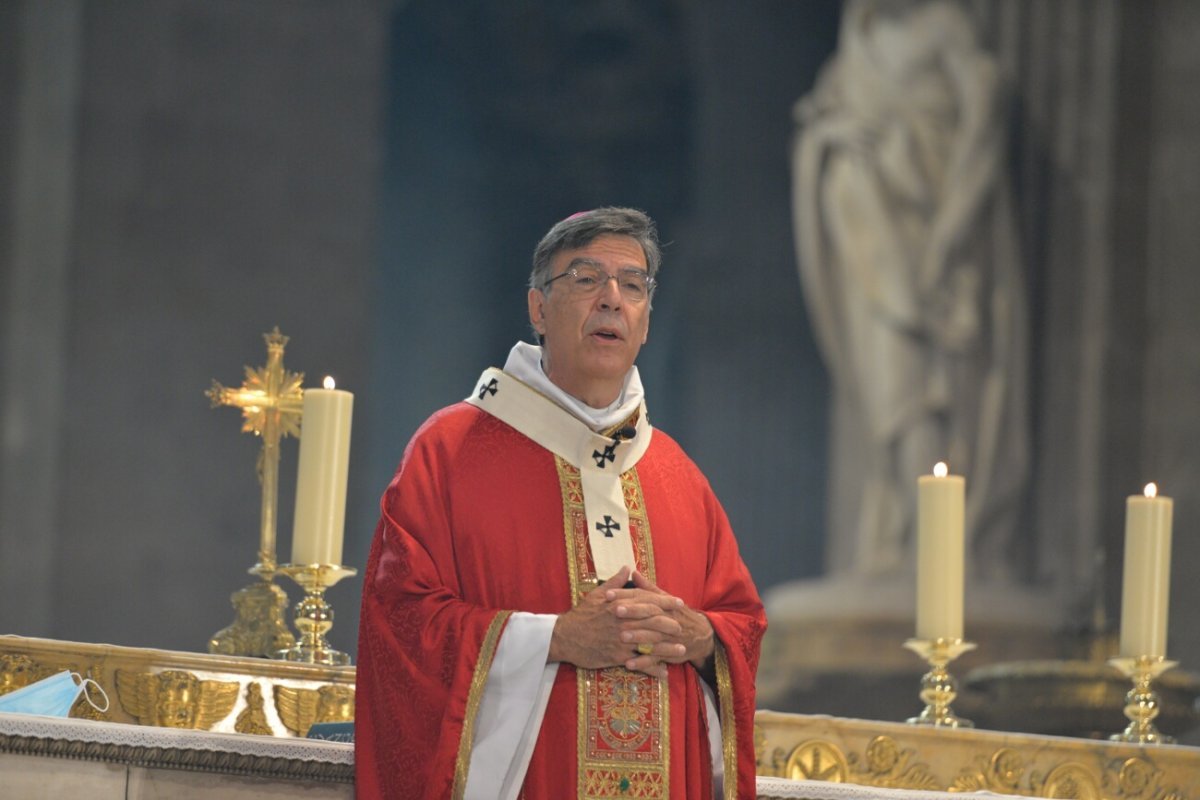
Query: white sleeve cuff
{"type": "Point", "coordinates": [510, 712]}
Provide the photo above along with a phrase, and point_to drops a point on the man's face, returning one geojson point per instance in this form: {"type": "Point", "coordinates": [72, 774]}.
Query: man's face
{"type": "Point", "coordinates": [590, 343]}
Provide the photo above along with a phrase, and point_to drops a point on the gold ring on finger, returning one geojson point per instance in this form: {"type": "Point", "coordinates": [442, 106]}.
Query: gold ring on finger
{"type": "Point", "coordinates": [645, 648]}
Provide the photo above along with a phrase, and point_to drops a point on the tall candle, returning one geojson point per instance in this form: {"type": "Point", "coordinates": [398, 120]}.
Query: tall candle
{"type": "Point", "coordinates": [1146, 583]}
{"type": "Point", "coordinates": [320, 519]}
{"type": "Point", "coordinates": [940, 555]}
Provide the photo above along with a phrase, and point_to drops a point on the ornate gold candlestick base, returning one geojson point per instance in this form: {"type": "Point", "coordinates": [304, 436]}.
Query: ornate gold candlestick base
{"type": "Point", "coordinates": [314, 616]}
{"type": "Point", "coordinates": [938, 688]}
{"type": "Point", "coordinates": [259, 628]}
{"type": "Point", "coordinates": [1141, 704]}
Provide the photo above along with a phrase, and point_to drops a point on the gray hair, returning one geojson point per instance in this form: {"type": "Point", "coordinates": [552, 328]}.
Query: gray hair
{"type": "Point", "coordinates": [578, 230]}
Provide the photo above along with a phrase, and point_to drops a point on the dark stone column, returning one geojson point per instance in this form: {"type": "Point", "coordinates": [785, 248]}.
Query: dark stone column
{"type": "Point", "coordinates": [38, 216]}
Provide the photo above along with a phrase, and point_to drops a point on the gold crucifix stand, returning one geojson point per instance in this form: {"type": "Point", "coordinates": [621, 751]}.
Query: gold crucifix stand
{"type": "Point", "coordinates": [271, 400]}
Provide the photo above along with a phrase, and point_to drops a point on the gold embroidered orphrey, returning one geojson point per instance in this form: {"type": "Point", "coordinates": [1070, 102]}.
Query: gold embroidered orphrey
{"type": "Point", "coordinates": [623, 740]}
{"type": "Point", "coordinates": [487, 652]}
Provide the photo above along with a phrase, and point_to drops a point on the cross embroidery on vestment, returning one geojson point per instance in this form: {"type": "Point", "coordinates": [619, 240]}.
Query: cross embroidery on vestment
{"type": "Point", "coordinates": [484, 388]}
{"type": "Point", "coordinates": [609, 453]}
{"type": "Point", "coordinates": [608, 526]}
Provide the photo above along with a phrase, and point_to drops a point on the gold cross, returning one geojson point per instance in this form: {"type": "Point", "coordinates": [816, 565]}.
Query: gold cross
{"type": "Point", "coordinates": [271, 400]}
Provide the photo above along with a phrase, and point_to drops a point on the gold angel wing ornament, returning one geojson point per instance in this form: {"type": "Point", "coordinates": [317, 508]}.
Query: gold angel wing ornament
{"type": "Point", "coordinates": [136, 692]}
{"type": "Point", "coordinates": [175, 699]}
{"type": "Point", "coordinates": [297, 708]}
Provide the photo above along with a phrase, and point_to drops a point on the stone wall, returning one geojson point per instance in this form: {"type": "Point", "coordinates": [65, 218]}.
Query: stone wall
{"type": "Point", "coordinates": [224, 161]}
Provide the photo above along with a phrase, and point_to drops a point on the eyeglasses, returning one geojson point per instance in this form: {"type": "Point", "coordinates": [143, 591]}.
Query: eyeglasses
{"type": "Point", "coordinates": [586, 280]}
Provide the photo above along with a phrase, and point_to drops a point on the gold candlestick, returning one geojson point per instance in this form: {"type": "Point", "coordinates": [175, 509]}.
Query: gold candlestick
{"type": "Point", "coordinates": [1141, 703]}
{"type": "Point", "coordinates": [314, 616]}
{"type": "Point", "coordinates": [938, 688]}
{"type": "Point", "coordinates": [271, 400]}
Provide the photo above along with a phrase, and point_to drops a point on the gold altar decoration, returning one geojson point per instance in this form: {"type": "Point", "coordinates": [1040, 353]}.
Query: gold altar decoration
{"type": "Point", "coordinates": [894, 755]}
{"type": "Point", "coordinates": [193, 691]}
{"type": "Point", "coordinates": [938, 688]}
{"type": "Point", "coordinates": [314, 616]}
{"type": "Point", "coordinates": [300, 709]}
{"type": "Point", "coordinates": [253, 718]}
{"type": "Point", "coordinates": [1141, 704]}
{"type": "Point", "coordinates": [175, 698]}
{"type": "Point", "coordinates": [271, 400]}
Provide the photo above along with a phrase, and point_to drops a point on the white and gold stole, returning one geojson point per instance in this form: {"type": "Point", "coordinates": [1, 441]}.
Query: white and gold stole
{"type": "Point", "coordinates": [623, 744]}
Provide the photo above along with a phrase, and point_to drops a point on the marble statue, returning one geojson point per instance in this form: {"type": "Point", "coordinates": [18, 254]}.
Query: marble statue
{"type": "Point", "coordinates": [910, 271]}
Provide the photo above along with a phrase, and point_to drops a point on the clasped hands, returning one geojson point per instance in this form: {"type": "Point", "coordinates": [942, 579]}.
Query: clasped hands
{"type": "Point", "coordinates": [643, 629]}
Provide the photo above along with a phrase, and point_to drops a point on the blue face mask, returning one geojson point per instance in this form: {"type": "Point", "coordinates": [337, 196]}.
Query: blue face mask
{"type": "Point", "coordinates": [51, 697]}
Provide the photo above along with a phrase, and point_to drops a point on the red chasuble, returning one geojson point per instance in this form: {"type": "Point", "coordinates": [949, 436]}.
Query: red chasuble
{"type": "Point", "coordinates": [481, 521]}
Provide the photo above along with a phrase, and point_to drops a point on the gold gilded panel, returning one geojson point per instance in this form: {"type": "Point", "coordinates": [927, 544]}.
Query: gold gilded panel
{"type": "Point", "coordinates": [895, 755]}
{"type": "Point", "coordinates": [18, 671]}
{"type": "Point", "coordinates": [175, 698]}
{"type": "Point", "coordinates": [253, 718]}
{"type": "Point", "coordinates": [1137, 778]}
{"type": "Point", "coordinates": [1001, 773]}
{"type": "Point", "coordinates": [300, 709]}
{"type": "Point", "coordinates": [817, 761]}
{"type": "Point", "coordinates": [1008, 772]}
{"type": "Point", "coordinates": [187, 690]}
{"type": "Point", "coordinates": [760, 748]}
{"type": "Point", "coordinates": [888, 765]}
{"type": "Point", "coordinates": [1071, 781]}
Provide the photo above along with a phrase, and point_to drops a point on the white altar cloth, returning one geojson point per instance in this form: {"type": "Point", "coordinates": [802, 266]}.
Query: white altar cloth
{"type": "Point", "coordinates": [156, 762]}
{"type": "Point", "coordinates": [145, 736]}
{"type": "Point", "coordinates": [55, 757]}
{"type": "Point", "coordinates": [781, 788]}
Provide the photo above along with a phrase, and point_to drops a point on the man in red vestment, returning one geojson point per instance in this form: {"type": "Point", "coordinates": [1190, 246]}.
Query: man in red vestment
{"type": "Point", "coordinates": [554, 605]}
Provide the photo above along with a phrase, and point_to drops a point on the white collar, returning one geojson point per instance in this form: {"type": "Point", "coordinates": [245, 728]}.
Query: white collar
{"type": "Point", "coordinates": [525, 364]}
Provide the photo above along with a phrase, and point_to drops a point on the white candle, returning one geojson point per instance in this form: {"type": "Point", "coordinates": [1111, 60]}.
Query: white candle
{"type": "Point", "coordinates": [320, 518]}
{"type": "Point", "coordinates": [940, 555]}
{"type": "Point", "coordinates": [1146, 583]}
